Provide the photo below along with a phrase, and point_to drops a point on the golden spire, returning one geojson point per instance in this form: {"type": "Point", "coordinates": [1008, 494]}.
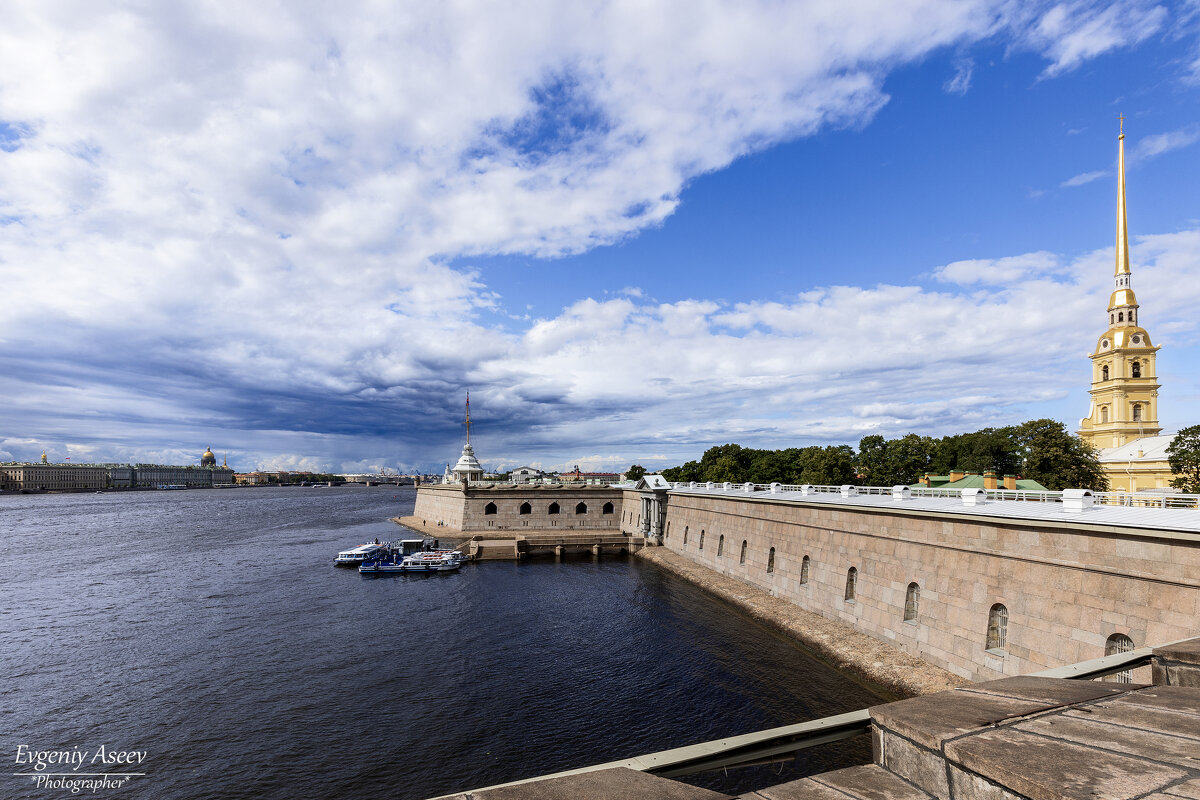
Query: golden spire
{"type": "Point", "coordinates": [468, 416]}
{"type": "Point", "coordinates": [1122, 225]}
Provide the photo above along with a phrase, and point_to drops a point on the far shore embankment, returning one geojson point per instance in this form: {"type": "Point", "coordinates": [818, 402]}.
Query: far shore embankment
{"type": "Point", "coordinates": [876, 663]}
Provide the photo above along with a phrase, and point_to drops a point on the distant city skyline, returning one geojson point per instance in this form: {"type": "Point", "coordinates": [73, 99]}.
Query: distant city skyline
{"type": "Point", "coordinates": [631, 232]}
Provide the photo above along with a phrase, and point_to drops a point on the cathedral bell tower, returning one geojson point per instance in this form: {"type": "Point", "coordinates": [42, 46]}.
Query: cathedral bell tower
{"type": "Point", "coordinates": [1124, 388]}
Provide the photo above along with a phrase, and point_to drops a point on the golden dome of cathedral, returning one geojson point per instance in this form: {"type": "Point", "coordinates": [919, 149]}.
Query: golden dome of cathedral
{"type": "Point", "coordinates": [208, 459]}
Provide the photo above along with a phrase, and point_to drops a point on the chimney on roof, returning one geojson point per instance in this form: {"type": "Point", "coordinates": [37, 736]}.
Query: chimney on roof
{"type": "Point", "coordinates": [1010, 481]}
{"type": "Point", "coordinates": [956, 475]}
{"type": "Point", "coordinates": [989, 479]}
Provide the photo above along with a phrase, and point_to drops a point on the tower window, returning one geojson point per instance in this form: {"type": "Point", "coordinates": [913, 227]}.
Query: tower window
{"type": "Point", "coordinates": [997, 631]}
{"type": "Point", "coordinates": [1104, 372]}
{"type": "Point", "coordinates": [771, 560]}
{"type": "Point", "coordinates": [685, 533]}
{"type": "Point", "coordinates": [742, 557]}
{"type": "Point", "coordinates": [721, 546]}
{"type": "Point", "coordinates": [804, 569]}
{"type": "Point", "coordinates": [911, 601]}
{"type": "Point", "coordinates": [1111, 319]}
{"type": "Point", "coordinates": [1119, 643]}
{"type": "Point", "coordinates": [851, 584]}
{"type": "Point", "coordinates": [489, 509]}
{"type": "Point", "coordinates": [1136, 369]}
{"type": "Point", "coordinates": [1121, 316]}
{"type": "Point", "coordinates": [1104, 413]}
{"type": "Point", "coordinates": [1137, 412]}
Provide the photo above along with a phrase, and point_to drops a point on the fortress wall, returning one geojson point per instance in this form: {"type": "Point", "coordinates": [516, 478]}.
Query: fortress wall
{"type": "Point", "coordinates": [467, 511]}
{"type": "Point", "coordinates": [1067, 588]}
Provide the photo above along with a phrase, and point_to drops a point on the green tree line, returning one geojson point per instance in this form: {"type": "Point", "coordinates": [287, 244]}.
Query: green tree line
{"type": "Point", "coordinates": [1042, 450]}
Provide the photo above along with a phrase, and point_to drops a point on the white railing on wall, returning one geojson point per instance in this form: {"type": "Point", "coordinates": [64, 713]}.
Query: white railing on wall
{"type": "Point", "coordinates": [1128, 499]}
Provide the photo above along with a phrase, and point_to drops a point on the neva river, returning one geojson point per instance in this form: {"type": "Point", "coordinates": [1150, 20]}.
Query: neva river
{"type": "Point", "coordinates": [210, 630]}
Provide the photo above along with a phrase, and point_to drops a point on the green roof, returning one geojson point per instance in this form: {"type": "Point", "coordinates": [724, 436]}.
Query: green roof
{"type": "Point", "coordinates": [976, 482]}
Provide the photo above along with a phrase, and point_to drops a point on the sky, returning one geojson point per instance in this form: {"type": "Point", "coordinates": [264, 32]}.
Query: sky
{"type": "Point", "coordinates": [300, 233]}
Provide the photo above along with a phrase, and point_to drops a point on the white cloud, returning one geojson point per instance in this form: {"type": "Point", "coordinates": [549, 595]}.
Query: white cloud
{"type": "Point", "coordinates": [1070, 33]}
{"type": "Point", "coordinates": [997, 271]}
{"type": "Point", "coordinates": [960, 82]}
{"type": "Point", "coordinates": [205, 205]}
{"type": "Point", "coordinates": [1150, 146]}
{"type": "Point", "coordinates": [1085, 177]}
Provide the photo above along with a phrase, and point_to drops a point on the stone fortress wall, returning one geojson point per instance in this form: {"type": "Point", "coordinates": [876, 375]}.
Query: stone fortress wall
{"type": "Point", "coordinates": [519, 508]}
{"type": "Point", "coordinates": [1066, 586]}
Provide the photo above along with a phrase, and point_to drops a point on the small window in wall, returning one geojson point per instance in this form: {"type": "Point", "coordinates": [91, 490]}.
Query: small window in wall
{"type": "Point", "coordinates": [1104, 413]}
{"type": "Point", "coordinates": [553, 509]}
{"type": "Point", "coordinates": [851, 584]}
{"type": "Point", "coordinates": [581, 508]}
{"type": "Point", "coordinates": [1136, 369]}
{"type": "Point", "coordinates": [1111, 319]}
{"type": "Point", "coordinates": [911, 601]}
{"type": "Point", "coordinates": [685, 533]}
{"type": "Point", "coordinates": [721, 546]}
{"type": "Point", "coordinates": [771, 560]}
{"type": "Point", "coordinates": [1137, 412]}
{"type": "Point", "coordinates": [489, 509]}
{"type": "Point", "coordinates": [1104, 372]}
{"type": "Point", "coordinates": [526, 508]}
{"type": "Point", "coordinates": [1119, 643]}
{"type": "Point", "coordinates": [997, 631]}
{"type": "Point", "coordinates": [608, 508]}
{"type": "Point", "coordinates": [742, 557]}
{"type": "Point", "coordinates": [804, 569]}
{"type": "Point", "coordinates": [701, 539]}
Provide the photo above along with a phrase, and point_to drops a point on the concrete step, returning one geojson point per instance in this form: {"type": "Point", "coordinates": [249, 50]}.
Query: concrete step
{"type": "Point", "coordinates": [870, 782]}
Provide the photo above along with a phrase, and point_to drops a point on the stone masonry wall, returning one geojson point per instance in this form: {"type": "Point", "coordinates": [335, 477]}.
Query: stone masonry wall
{"type": "Point", "coordinates": [1066, 588]}
{"type": "Point", "coordinates": [579, 507]}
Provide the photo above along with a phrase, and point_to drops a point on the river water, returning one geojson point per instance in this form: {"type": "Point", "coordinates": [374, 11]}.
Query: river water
{"type": "Point", "coordinates": [210, 631]}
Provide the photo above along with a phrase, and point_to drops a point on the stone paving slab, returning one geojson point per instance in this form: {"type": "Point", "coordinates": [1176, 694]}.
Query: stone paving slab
{"type": "Point", "coordinates": [1044, 769]}
{"type": "Point", "coordinates": [1188, 652]}
{"type": "Point", "coordinates": [619, 783]}
{"type": "Point", "coordinates": [803, 789]}
{"type": "Point", "coordinates": [1093, 730]}
{"type": "Point", "coordinates": [931, 720]}
{"type": "Point", "coordinates": [1130, 715]}
{"type": "Point", "coordinates": [871, 782]}
{"type": "Point", "coordinates": [1053, 691]}
{"type": "Point", "coordinates": [1172, 698]}
{"type": "Point", "coordinates": [1189, 789]}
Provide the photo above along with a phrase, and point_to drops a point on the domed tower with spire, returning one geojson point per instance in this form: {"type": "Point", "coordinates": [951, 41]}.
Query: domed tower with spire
{"type": "Point", "coordinates": [468, 469]}
{"type": "Point", "coordinates": [1124, 388]}
{"type": "Point", "coordinates": [208, 459]}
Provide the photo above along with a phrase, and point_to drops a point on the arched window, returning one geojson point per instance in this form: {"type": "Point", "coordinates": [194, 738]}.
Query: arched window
{"type": "Point", "coordinates": [581, 508]}
{"type": "Point", "coordinates": [721, 546]}
{"type": "Point", "coordinates": [851, 584]}
{"type": "Point", "coordinates": [1120, 316]}
{"type": "Point", "coordinates": [702, 539]}
{"type": "Point", "coordinates": [742, 557]}
{"type": "Point", "coordinates": [997, 631]}
{"type": "Point", "coordinates": [1137, 412]}
{"type": "Point", "coordinates": [1104, 372]}
{"type": "Point", "coordinates": [1104, 413]}
{"type": "Point", "coordinates": [1119, 643]}
{"type": "Point", "coordinates": [608, 509]}
{"type": "Point", "coordinates": [771, 560]}
{"type": "Point", "coordinates": [526, 508]}
{"type": "Point", "coordinates": [1112, 318]}
{"type": "Point", "coordinates": [804, 569]}
{"type": "Point", "coordinates": [911, 601]}
{"type": "Point", "coordinates": [1136, 369]}
{"type": "Point", "coordinates": [490, 508]}
{"type": "Point", "coordinates": [553, 509]}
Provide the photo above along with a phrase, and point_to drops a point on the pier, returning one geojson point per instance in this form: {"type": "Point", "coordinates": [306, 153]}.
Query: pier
{"type": "Point", "coordinates": [548, 543]}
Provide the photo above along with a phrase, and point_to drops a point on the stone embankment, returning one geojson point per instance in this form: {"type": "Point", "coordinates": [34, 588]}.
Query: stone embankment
{"type": "Point", "coordinates": [877, 663]}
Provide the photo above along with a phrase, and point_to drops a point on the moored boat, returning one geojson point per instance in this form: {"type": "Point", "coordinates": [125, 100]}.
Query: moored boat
{"type": "Point", "coordinates": [427, 561]}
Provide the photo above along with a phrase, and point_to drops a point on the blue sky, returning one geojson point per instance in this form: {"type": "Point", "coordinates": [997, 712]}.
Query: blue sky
{"type": "Point", "coordinates": [631, 231]}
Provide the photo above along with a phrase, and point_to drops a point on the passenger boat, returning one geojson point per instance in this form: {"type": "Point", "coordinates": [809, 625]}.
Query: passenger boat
{"type": "Point", "coordinates": [427, 561]}
{"type": "Point", "coordinates": [357, 555]}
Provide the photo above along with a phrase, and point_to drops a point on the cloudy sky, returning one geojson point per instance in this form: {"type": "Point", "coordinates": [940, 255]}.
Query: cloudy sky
{"type": "Point", "coordinates": [299, 233]}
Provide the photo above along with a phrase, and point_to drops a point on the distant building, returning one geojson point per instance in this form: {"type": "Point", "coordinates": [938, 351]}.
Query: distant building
{"type": "Point", "coordinates": [973, 480]}
{"type": "Point", "coordinates": [52, 477]}
{"type": "Point", "coordinates": [575, 476]}
{"type": "Point", "coordinates": [525, 475]}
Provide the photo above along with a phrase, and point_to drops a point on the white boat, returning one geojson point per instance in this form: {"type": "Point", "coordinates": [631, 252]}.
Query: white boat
{"type": "Point", "coordinates": [357, 555]}
{"type": "Point", "coordinates": [428, 561]}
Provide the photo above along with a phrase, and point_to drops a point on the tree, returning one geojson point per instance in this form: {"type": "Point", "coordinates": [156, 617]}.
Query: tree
{"type": "Point", "coordinates": [635, 472]}
{"type": "Point", "coordinates": [1183, 454]}
{"type": "Point", "coordinates": [1058, 459]}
